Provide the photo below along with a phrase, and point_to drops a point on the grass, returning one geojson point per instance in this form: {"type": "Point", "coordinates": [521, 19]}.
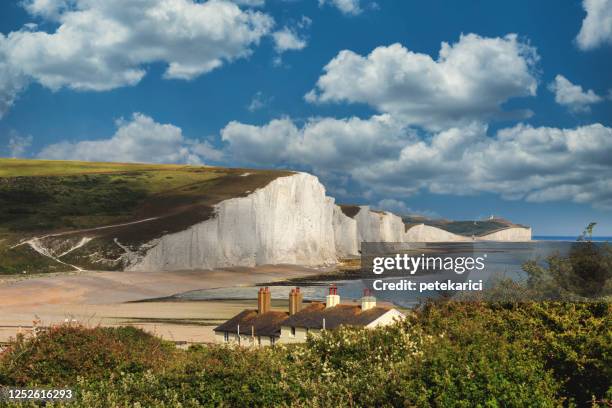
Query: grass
{"type": "Point", "coordinates": [28, 168]}
{"type": "Point", "coordinates": [41, 196]}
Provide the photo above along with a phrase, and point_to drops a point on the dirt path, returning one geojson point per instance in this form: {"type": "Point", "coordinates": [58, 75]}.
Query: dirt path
{"type": "Point", "coordinates": [36, 242]}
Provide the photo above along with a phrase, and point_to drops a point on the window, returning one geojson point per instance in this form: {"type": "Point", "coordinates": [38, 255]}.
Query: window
{"type": "Point", "coordinates": [226, 336]}
{"type": "Point", "coordinates": [272, 340]}
{"type": "Point", "coordinates": [293, 331]}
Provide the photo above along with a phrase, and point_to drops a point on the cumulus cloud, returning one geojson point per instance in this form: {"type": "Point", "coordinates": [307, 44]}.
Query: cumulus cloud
{"type": "Point", "coordinates": [139, 139]}
{"type": "Point", "coordinates": [104, 44]}
{"type": "Point", "coordinates": [48, 9]}
{"type": "Point", "coordinates": [469, 81]}
{"type": "Point", "coordinates": [521, 162]}
{"type": "Point", "coordinates": [349, 7]}
{"type": "Point", "coordinates": [596, 27]}
{"type": "Point", "coordinates": [325, 144]}
{"type": "Point", "coordinates": [573, 96]}
{"type": "Point", "coordinates": [12, 80]}
{"type": "Point", "coordinates": [288, 39]}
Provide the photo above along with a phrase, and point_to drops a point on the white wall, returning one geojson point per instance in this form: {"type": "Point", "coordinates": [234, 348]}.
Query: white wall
{"type": "Point", "coordinates": [245, 340]}
{"type": "Point", "coordinates": [286, 336]}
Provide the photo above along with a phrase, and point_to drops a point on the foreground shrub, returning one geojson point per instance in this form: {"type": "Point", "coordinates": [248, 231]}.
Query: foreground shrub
{"type": "Point", "coordinates": [446, 354]}
{"type": "Point", "coordinates": [60, 354]}
{"type": "Point", "coordinates": [573, 341]}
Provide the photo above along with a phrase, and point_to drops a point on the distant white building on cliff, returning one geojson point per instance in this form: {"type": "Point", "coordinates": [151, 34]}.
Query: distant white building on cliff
{"type": "Point", "coordinates": [263, 326]}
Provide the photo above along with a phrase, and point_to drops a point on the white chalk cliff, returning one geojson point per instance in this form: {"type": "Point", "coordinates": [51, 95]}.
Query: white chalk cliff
{"type": "Point", "coordinates": [289, 221]}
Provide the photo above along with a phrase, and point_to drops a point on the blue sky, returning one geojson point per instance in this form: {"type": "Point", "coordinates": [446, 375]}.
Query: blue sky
{"type": "Point", "coordinates": [513, 120]}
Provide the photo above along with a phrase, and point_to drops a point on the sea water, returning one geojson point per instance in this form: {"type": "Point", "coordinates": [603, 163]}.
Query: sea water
{"type": "Point", "coordinates": [504, 260]}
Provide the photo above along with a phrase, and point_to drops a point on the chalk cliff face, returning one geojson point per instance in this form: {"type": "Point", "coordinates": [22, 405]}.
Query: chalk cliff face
{"type": "Point", "coordinates": [508, 234]}
{"type": "Point", "coordinates": [427, 233]}
{"type": "Point", "coordinates": [378, 226]}
{"type": "Point", "coordinates": [345, 234]}
{"type": "Point", "coordinates": [288, 221]}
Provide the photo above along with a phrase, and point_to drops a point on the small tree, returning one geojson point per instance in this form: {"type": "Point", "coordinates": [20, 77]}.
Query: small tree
{"type": "Point", "coordinates": [585, 273]}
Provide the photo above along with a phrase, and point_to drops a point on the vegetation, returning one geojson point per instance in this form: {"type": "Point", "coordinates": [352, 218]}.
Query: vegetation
{"type": "Point", "coordinates": [586, 273]}
{"type": "Point", "coordinates": [445, 354]}
{"type": "Point", "coordinates": [38, 197]}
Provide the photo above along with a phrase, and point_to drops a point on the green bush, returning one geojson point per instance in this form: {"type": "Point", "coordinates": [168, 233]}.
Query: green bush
{"type": "Point", "coordinates": [586, 273]}
{"type": "Point", "coordinates": [59, 355]}
{"type": "Point", "coordinates": [445, 354]}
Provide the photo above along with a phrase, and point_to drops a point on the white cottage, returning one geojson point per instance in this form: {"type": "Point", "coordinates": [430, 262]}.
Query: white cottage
{"type": "Point", "coordinates": [263, 326]}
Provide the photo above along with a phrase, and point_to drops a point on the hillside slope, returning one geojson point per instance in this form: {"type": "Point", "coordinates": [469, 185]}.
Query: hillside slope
{"type": "Point", "coordinates": [64, 202]}
{"type": "Point", "coordinates": [111, 216]}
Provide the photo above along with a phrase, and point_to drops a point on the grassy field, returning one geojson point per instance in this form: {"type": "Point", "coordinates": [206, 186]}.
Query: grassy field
{"type": "Point", "coordinates": [38, 197]}
{"type": "Point", "coordinates": [24, 168]}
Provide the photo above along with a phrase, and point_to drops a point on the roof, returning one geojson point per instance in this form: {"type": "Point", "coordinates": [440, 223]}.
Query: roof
{"type": "Point", "coordinates": [312, 316]}
{"type": "Point", "coordinates": [267, 324]}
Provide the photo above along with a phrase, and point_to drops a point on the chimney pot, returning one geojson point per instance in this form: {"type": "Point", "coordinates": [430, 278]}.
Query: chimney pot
{"type": "Point", "coordinates": [332, 299]}
{"type": "Point", "coordinates": [295, 301]}
{"type": "Point", "coordinates": [367, 301]}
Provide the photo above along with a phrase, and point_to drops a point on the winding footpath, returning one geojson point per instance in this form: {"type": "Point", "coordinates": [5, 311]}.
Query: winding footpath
{"type": "Point", "coordinates": [36, 242]}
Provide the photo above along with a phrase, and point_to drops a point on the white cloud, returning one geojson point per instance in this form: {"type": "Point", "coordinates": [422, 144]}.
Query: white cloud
{"type": "Point", "coordinates": [288, 40]}
{"type": "Point", "coordinates": [104, 44]}
{"type": "Point", "coordinates": [521, 162]}
{"type": "Point", "coordinates": [12, 80]}
{"type": "Point", "coordinates": [573, 96]}
{"type": "Point", "coordinates": [349, 7]}
{"type": "Point", "coordinates": [326, 144]}
{"type": "Point", "coordinates": [596, 27]}
{"type": "Point", "coordinates": [48, 9]}
{"type": "Point", "coordinates": [140, 139]}
{"type": "Point", "coordinates": [18, 145]}
{"type": "Point", "coordinates": [470, 80]}
{"type": "Point", "coordinates": [259, 101]}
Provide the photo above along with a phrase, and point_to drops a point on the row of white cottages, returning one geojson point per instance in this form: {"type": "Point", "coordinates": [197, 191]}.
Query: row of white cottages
{"type": "Point", "coordinates": [264, 326]}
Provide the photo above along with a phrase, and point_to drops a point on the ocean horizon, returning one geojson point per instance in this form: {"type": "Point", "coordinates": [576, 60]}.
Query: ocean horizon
{"type": "Point", "coordinates": [568, 238]}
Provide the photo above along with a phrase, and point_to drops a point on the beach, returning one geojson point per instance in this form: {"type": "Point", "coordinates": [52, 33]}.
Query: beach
{"type": "Point", "coordinates": [134, 298]}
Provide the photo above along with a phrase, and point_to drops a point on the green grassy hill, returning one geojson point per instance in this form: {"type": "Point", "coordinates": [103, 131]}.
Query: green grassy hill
{"type": "Point", "coordinates": [43, 197]}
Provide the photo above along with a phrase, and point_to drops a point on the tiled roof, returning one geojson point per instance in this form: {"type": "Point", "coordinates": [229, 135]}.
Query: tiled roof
{"type": "Point", "coordinates": [267, 324]}
{"type": "Point", "coordinates": [351, 315]}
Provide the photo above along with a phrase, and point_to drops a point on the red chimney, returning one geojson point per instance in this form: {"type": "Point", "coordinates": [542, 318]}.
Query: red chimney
{"type": "Point", "coordinates": [295, 301]}
{"type": "Point", "coordinates": [264, 300]}
{"type": "Point", "coordinates": [332, 299]}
